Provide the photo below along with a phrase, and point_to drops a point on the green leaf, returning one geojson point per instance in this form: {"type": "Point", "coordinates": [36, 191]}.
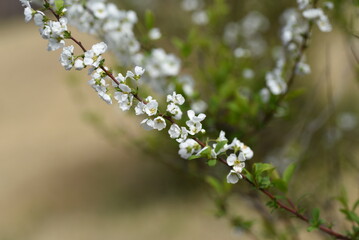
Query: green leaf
{"type": "Point", "coordinates": [280, 184]}
{"type": "Point", "coordinates": [212, 162]}
{"type": "Point", "coordinates": [149, 19]}
{"type": "Point", "coordinates": [288, 172]}
{"type": "Point", "coordinates": [260, 168]}
{"type": "Point", "coordinates": [67, 34]}
{"type": "Point", "coordinates": [59, 4]}
{"type": "Point", "coordinates": [220, 145]}
{"type": "Point", "coordinates": [351, 216]}
{"type": "Point", "coordinates": [204, 153]}
{"type": "Point", "coordinates": [315, 220]}
{"type": "Point", "coordinates": [356, 204]}
{"type": "Point", "coordinates": [194, 157]}
{"type": "Point", "coordinates": [215, 184]}
{"type": "Point", "coordinates": [248, 175]}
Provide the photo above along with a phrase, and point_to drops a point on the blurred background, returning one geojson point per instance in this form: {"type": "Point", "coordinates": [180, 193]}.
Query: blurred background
{"type": "Point", "coordinates": [72, 167]}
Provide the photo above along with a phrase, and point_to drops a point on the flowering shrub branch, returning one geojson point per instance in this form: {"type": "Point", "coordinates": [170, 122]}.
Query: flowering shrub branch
{"type": "Point", "coordinates": [295, 37]}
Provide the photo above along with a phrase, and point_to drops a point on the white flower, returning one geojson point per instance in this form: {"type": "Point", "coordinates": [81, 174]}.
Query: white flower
{"type": "Point", "coordinates": [275, 83]}
{"type": "Point", "coordinates": [139, 109]}
{"type": "Point", "coordinates": [120, 78]}
{"type": "Point", "coordinates": [159, 123]}
{"type": "Point", "coordinates": [124, 100]}
{"type": "Point", "coordinates": [264, 94]}
{"type": "Point", "coordinates": [247, 152]}
{"type": "Point", "coordinates": [79, 64]}
{"type": "Point", "coordinates": [222, 137]}
{"type": "Point", "coordinates": [324, 24]}
{"type": "Point", "coordinates": [124, 88]}
{"type": "Point", "coordinates": [302, 4]}
{"type": "Point", "coordinates": [237, 162]}
{"type": "Point", "coordinates": [194, 118]}
{"type": "Point", "coordinates": [321, 19]}
{"type": "Point", "coordinates": [55, 44]}
{"type": "Point", "coordinates": [147, 124]}
{"type": "Point", "coordinates": [174, 131]}
{"type": "Point", "coordinates": [188, 148]}
{"type": "Point", "coordinates": [28, 14]}
{"type": "Point", "coordinates": [25, 3]}
{"type": "Point", "coordinates": [199, 106]}
{"type": "Point", "coordinates": [184, 135]}
{"type": "Point", "coordinates": [233, 177]}
{"type": "Point", "coordinates": [176, 98]}
{"type": "Point", "coordinates": [98, 9]}
{"type": "Point", "coordinates": [151, 108]}
{"type": "Point", "coordinates": [175, 111]}
{"type": "Point", "coordinates": [200, 18]}
{"type": "Point", "coordinates": [191, 5]}
{"type": "Point", "coordinates": [154, 34]}
{"type": "Point", "coordinates": [194, 122]}
{"type": "Point", "coordinates": [39, 19]}
{"type": "Point", "coordinates": [67, 57]}
{"type": "Point", "coordinates": [313, 13]}
{"type": "Point", "coordinates": [303, 68]}
{"type": "Point", "coordinates": [194, 127]}
{"type": "Point", "coordinates": [139, 71]}
{"type": "Point", "coordinates": [99, 48]}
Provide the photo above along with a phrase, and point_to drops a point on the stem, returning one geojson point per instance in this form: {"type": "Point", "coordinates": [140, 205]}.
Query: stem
{"type": "Point", "coordinates": [295, 212]}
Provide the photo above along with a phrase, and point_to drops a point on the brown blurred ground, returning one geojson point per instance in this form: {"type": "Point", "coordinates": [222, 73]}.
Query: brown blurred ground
{"type": "Point", "coordinates": [60, 179]}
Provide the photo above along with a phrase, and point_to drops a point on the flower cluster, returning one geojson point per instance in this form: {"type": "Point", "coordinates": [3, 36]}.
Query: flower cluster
{"type": "Point", "coordinates": [293, 36]}
{"type": "Point", "coordinates": [115, 27]}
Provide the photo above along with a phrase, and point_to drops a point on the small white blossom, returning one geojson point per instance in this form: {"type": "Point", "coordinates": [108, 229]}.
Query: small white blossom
{"type": "Point", "coordinates": [184, 135]}
{"type": "Point", "coordinates": [147, 124]}
{"type": "Point", "coordinates": [39, 19]}
{"type": "Point", "coordinates": [99, 48]}
{"type": "Point", "coordinates": [151, 108]}
{"type": "Point", "coordinates": [199, 106]}
{"type": "Point", "coordinates": [124, 100]}
{"type": "Point", "coordinates": [265, 95]}
{"type": "Point", "coordinates": [67, 57]}
{"type": "Point", "coordinates": [302, 4]}
{"type": "Point", "coordinates": [139, 71]}
{"type": "Point", "coordinates": [192, 116]}
{"type": "Point", "coordinates": [233, 177]}
{"type": "Point", "coordinates": [98, 9]}
{"type": "Point", "coordinates": [79, 64]}
{"type": "Point", "coordinates": [237, 162]}
{"type": "Point", "coordinates": [28, 14]}
{"type": "Point", "coordinates": [174, 131]}
{"type": "Point", "coordinates": [154, 34]}
{"type": "Point", "coordinates": [159, 123]}
{"type": "Point", "coordinates": [139, 109]}
{"type": "Point", "coordinates": [247, 152]}
{"type": "Point", "coordinates": [188, 148]}
{"type": "Point", "coordinates": [275, 83]}
{"type": "Point", "coordinates": [200, 18]}
{"type": "Point", "coordinates": [176, 98]}
{"type": "Point", "coordinates": [175, 111]}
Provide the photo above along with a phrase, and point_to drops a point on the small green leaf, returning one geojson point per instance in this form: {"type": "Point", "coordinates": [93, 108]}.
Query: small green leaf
{"type": "Point", "coordinates": [194, 157]}
{"type": "Point", "coordinates": [288, 173]}
{"type": "Point", "coordinates": [212, 162]}
{"type": "Point", "coordinates": [259, 168]}
{"type": "Point", "coordinates": [204, 153]}
{"type": "Point", "coordinates": [215, 184]}
{"type": "Point", "coordinates": [280, 185]}
{"type": "Point", "coordinates": [59, 4]}
{"type": "Point", "coordinates": [149, 19]}
{"type": "Point", "coordinates": [356, 204]}
{"type": "Point", "coordinates": [220, 145]}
